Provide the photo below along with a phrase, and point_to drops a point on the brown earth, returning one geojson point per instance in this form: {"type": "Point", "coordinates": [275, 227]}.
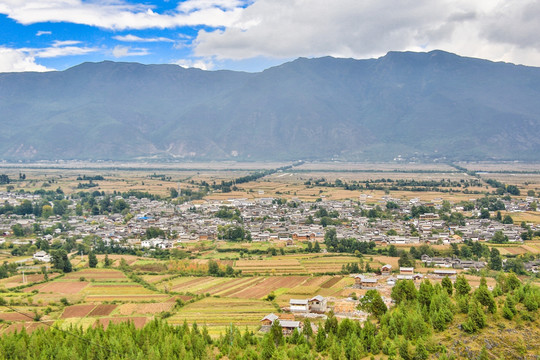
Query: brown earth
{"type": "Point", "coordinates": [77, 311]}
{"type": "Point", "coordinates": [102, 310]}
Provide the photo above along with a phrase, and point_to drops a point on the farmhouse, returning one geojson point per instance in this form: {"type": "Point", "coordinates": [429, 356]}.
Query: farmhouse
{"type": "Point", "coordinates": [443, 273]}
{"type": "Point", "coordinates": [299, 305]}
{"type": "Point", "coordinates": [406, 271]}
{"type": "Point", "coordinates": [42, 256]}
{"type": "Point", "coordinates": [317, 304]}
{"type": "Point", "coordinates": [365, 282]}
{"type": "Point", "coordinates": [386, 269]}
{"type": "Point", "coordinates": [288, 326]}
{"type": "Point", "coordinates": [269, 319]}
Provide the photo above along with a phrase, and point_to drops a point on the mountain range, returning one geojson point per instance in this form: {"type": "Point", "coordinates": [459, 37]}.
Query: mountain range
{"type": "Point", "coordinates": [434, 105]}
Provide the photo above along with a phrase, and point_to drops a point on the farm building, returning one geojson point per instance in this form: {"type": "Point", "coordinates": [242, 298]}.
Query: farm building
{"type": "Point", "coordinates": [317, 304]}
{"type": "Point", "coordinates": [42, 256]}
{"type": "Point", "coordinates": [288, 326]}
{"type": "Point", "coordinates": [365, 282]}
{"type": "Point", "coordinates": [443, 273]}
{"type": "Point", "coordinates": [299, 305]}
{"type": "Point", "coordinates": [406, 270]}
{"type": "Point", "coordinates": [386, 269]}
{"type": "Point", "coordinates": [269, 319]}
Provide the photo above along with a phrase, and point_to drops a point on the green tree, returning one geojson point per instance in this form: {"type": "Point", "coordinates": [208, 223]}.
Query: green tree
{"type": "Point", "coordinates": [276, 333]}
{"type": "Point", "coordinates": [92, 259]}
{"type": "Point", "coordinates": [476, 319]}
{"type": "Point", "coordinates": [495, 261]}
{"type": "Point", "coordinates": [268, 347]}
{"type": "Point", "coordinates": [306, 329]}
{"type": "Point", "coordinates": [107, 262]}
{"type": "Point", "coordinates": [17, 230]}
{"type": "Point", "coordinates": [447, 285]}
{"type": "Point", "coordinates": [320, 340]}
{"type": "Point", "coordinates": [60, 261]}
{"type": "Point", "coordinates": [373, 303]}
{"type": "Point", "coordinates": [507, 219]}
{"type": "Point", "coordinates": [404, 290]}
{"type": "Point", "coordinates": [405, 260]}
{"type": "Point", "coordinates": [462, 285]}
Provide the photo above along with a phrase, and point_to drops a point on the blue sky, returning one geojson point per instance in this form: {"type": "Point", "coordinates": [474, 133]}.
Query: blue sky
{"type": "Point", "coordinates": [251, 35]}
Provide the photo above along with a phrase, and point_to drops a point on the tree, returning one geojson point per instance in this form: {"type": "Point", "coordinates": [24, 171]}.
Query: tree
{"type": "Point", "coordinates": [405, 260]}
{"type": "Point", "coordinates": [462, 285]}
{"type": "Point", "coordinates": [392, 251]}
{"type": "Point", "coordinates": [17, 230]}
{"type": "Point", "coordinates": [92, 259]}
{"type": "Point", "coordinates": [447, 285]}
{"type": "Point", "coordinates": [476, 319]}
{"type": "Point", "coordinates": [307, 330]}
{"type": "Point", "coordinates": [320, 340]}
{"type": "Point", "coordinates": [404, 290]}
{"type": "Point", "coordinates": [425, 292]}
{"type": "Point", "coordinates": [61, 261]}
{"type": "Point", "coordinates": [316, 247]}
{"type": "Point", "coordinates": [495, 261]}
{"type": "Point", "coordinates": [484, 214]}
{"type": "Point", "coordinates": [276, 333]}
{"type": "Point", "coordinates": [373, 303]}
{"type": "Point", "coordinates": [507, 219]}
{"type": "Point", "coordinates": [107, 262]}
{"type": "Point", "coordinates": [268, 347]}
{"type": "Point", "coordinates": [47, 211]}
{"type": "Point", "coordinates": [213, 268]}
{"type": "Point", "coordinates": [499, 238]}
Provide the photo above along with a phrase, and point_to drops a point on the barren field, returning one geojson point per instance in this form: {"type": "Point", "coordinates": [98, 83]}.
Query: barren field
{"type": "Point", "coordinates": [59, 287]}
{"type": "Point", "coordinates": [97, 275]}
{"type": "Point", "coordinates": [102, 310]}
{"type": "Point", "coordinates": [77, 311]}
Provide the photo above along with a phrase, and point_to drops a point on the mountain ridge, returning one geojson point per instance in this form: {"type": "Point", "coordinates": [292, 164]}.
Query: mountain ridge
{"type": "Point", "coordinates": [417, 105]}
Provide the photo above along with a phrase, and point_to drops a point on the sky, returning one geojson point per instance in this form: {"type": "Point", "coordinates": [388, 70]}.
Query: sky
{"type": "Point", "coordinates": [252, 35]}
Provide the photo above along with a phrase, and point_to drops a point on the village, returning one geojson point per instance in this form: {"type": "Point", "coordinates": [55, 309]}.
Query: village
{"type": "Point", "coordinates": [266, 220]}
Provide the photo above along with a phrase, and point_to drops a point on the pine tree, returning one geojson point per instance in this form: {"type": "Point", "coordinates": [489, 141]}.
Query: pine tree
{"type": "Point", "coordinates": [421, 351]}
{"type": "Point", "coordinates": [447, 285]}
{"type": "Point", "coordinates": [92, 259]}
{"type": "Point", "coordinates": [268, 348]}
{"type": "Point", "coordinates": [462, 285]}
{"type": "Point", "coordinates": [320, 340]}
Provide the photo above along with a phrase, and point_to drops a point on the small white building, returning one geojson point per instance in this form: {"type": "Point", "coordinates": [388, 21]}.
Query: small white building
{"type": "Point", "coordinates": [299, 305]}
{"type": "Point", "coordinates": [42, 256]}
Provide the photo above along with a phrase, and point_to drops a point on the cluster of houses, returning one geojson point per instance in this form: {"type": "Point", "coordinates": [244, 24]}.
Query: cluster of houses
{"type": "Point", "coordinates": [315, 305]}
{"type": "Point", "coordinates": [387, 278]}
{"type": "Point", "coordinates": [265, 219]}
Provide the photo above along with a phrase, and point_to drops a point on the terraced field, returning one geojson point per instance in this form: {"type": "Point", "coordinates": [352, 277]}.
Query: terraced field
{"type": "Point", "coordinates": [220, 313]}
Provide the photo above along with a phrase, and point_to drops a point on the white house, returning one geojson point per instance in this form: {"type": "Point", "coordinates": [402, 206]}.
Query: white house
{"type": "Point", "coordinates": [299, 305]}
{"type": "Point", "coordinates": [42, 256]}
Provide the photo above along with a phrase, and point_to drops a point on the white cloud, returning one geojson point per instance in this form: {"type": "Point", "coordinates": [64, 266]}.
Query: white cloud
{"type": "Point", "coordinates": [124, 51]}
{"type": "Point", "coordinates": [133, 38]}
{"type": "Point", "coordinates": [56, 51]}
{"type": "Point", "coordinates": [59, 48]}
{"type": "Point", "coordinates": [119, 15]}
{"type": "Point", "coordinates": [41, 32]}
{"type": "Point", "coordinates": [493, 29]}
{"type": "Point", "coordinates": [14, 60]}
{"type": "Point", "coordinates": [203, 64]}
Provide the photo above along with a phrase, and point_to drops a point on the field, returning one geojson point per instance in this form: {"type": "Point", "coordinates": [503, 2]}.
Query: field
{"type": "Point", "coordinates": [220, 313]}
